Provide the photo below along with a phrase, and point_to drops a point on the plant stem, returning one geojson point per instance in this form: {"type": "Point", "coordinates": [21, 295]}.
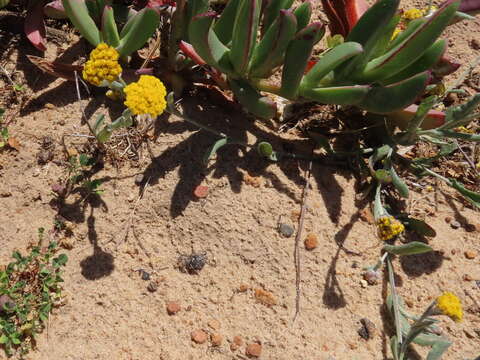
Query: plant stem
{"type": "Point", "coordinates": [396, 306]}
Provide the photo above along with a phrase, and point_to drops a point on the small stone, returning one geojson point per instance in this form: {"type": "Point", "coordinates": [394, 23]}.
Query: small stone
{"type": "Point", "coordinates": [199, 336]}
{"type": "Point", "coordinates": [214, 324]}
{"type": "Point", "coordinates": [265, 297]}
{"type": "Point", "coordinates": [295, 215]}
{"type": "Point", "coordinates": [254, 181]}
{"type": "Point", "coordinates": [173, 307]}
{"type": "Point", "coordinates": [363, 283]}
{"type": "Point", "coordinates": [201, 191]}
{"type": "Point", "coordinates": [234, 347]}
{"type": "Point", "coordinates": [145, 275]}
{"type": "Point", "coordinates": [366, 215]}
{"type": "Point", "coordinates": [311, 242]}
{"type": "Point", "coordinates": [470, 254]}
{"type": "Point", "coordinates": [238, 340]}
{"type": "Point", "coordinates": [44, 156]}
{"type": "Point", "coordinates": [253, 350]}
{"type": "Point", "coordinates": [72, 152]}
{"type": "Point", "coordinates": [285, 230]}
{"type": "Point", "coordinates": [467, 277]}
{"type": "Point", "coordinates": [49, 106]}
{"type": "Point", "coordinates": [5, 194]}
{"type": "Point", "coordinates": [470, 227]}
{"type": "Point", "coordinates": [216, 339]}
{"type": "Point", "coordinates": [152, 286]}
{"type": "Point", "coordinates": [243, 287]}
{"type": "Point", "coordinates": [371, 276]}
{"type": "Point", "coordinates": [139, 179]}
{"type": "Point", "coordinates": [61, 122]}
{"type": "Point", "coordinates": [368, 329]}
{"type": "Point", "coordinates": [475, 44]}
{"type": "Point", "coordinates": [448, 219]}
{"type": "Point", "coordinates": [455, 224]}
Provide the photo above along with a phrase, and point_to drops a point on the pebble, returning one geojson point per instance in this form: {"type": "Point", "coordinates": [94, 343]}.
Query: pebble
{"type": "Point", "coordinates": [237, 342]}
{"type": "Point", "coordinates": [243, 287]}
{"type": "Point", "coordinates": [265, 297]}
{"type": "Point", "coordinates": [455, 224]}
{"type": "Point", "coordinates": [44, 156]}
{"type": "Point", "coordinates": [173, 307]}
{"type": "Point", "coordinates": [201, 191]}
{"type": "Point", "coordinates": [470, 254]}
{"type": "Point", "coordinates": [214, 324]}
{"type": "Point", "coordinates": [467, 277]}
{"type": "Point", "coordinates": [475, 44]}
{"type": "Point", "coordinates": [363, 283]}
{"type": "Point", "coordinates": [448, 219]}
{"type": "Point", "coordinates": [152, 286]}
{"type": "Point", "coordinates": [139, 179]}
{"type": "Point", "coordinates": [199, 336]}
{"type": "Point", "coordinates": [311, 242]}
{"type": "Point", "coordinates": [368, 329]}
{"type": "Point", "coordinates": [253, 350]}
{"type": "Point", "coordinates": [285, 230]}
{"type": "Point", "coordinates": [371, 276]}
{"type": "Point", "coordinates": [216, 339]}
{"type": "Point", "coordinates": [145, 275]}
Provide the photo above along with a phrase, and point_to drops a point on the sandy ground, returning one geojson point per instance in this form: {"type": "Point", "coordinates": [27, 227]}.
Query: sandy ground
{"type": "Point", "coordinates": [111, 314]}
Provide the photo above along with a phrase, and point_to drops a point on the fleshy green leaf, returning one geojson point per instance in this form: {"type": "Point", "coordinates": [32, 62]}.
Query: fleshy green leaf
{"type": "Point", "coordinates": [412, 248]}
{"type": "Point", "coordinates": [224, 26]}
{"type": "Point", "coordinates": [341, 95]}
{"type": "Point", "coordinates": [78, 14]}
{"type": "Point", "coordinates": [140, 28]}
{"type": "Point", "coordinates": [109, 28]}
{"type": "Point", "coordinates": [252, 100]}
{"type": "Point", "coordinates": [213, 149]}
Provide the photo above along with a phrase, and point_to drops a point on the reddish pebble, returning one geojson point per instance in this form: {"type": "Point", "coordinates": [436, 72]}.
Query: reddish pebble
{"type": "Point", "coordinates": [243, 287]}
{"type": "Point", "coordinates": [216, 339]}
{"type": "Point", "coordinates": [199, 336]}
{"type": "Point", "coordinates": [173, 307]}
{"type": "Point", "coordinates": [311, 241]}
{"type": "Point", "coordinates": [253, 350]}
{"type": "Point", "coordinates": [201, 191]}
{"type": "Point", "coordinates": [470, 254]}
{"type": "Point", "coordinates": [237, 340]}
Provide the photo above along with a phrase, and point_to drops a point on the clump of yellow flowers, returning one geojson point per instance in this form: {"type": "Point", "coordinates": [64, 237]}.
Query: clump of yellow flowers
{"type": "Point", "coordinates": [389, 227]}
{"type": "Point", "coordinates": [102, 65]}
{"type": "Point", "coordinates": [146, 96]}
{"type": "Point", "coordinates": [409, 15]}
{"type": "Point", "coordinates": [449, 304]}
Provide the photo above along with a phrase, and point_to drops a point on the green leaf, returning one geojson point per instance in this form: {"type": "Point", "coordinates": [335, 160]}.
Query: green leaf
{"type": "Point", "coordinates": [385, 99]}
{"type": "Point", "coordinates": [271, 49]}
{"type": "Point", "coordinates": [303, 14]}
{"type": "Point", "coordinates": [455, 115]}
{"type": "Point", "coordinates": [140, 28]}
{"type": "Point", "coordinates": [328, 62]}
{"type": "Point", "coordinates": [252, 100]}
{"type": "Point", "coordinates": [61, 260]}
{"type": "Point", "coordinates": [297, 55]}
{"type": "Point", "coordinates": [265, 149]}
{"type": "Point", "coordinates": [271, 11]}
{"type": "Point", "coordinates": [207, 44]}
{"type": "Point", "coordinates": [213, 149]}
{"type": "Point", "coordinates": [383, 176]}
{"type": "Point", "coordinates": [224, 26]}
{"type": "Point", "coordinates": [341, 95]}
{"type": "Point", "coordinates": [98, 123]}
{"type": "Point", "coordinates": [78, 14]}
{"type": "Point", "coordinates": [472, 196]}
{"type": "Point", "coordinates": [412, 48]}
{"type": "Point", "coordinates": [399, 184]}
{"type": "Point", "coordinates": [412, 248]}
{"type": "Point", "coordinates": [15, 340]}
{"type": "Point", "coordinates": [109, 27]}
{"type": "Point", "coordinates": [244, 34]}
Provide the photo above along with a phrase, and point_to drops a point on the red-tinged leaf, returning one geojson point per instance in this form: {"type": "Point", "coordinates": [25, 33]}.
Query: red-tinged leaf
{"type": "Point", "coordinates": [61, 70]}
{"type": "Point", "coordinates": [445, 66]}
{"type": "Point", "coordinates": [343, 14]}
{"type": "Point", "coordinates": [55, 10]}
{"type": "Point", "coordinates": [201, 191]}
{"type": "Point", "coordinates": [34, 25]}
{"type": "Point", "coordinates": [470, 6]}
{"type": "Point", "coordinates": [191, 53]}
{"type": "Point", "coordinates": [310, 65]}
{"type": "Point", "coordinates": [401, 118]}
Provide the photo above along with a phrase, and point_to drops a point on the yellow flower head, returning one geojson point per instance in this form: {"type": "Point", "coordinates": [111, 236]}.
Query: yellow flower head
{"type": "Point", "coordinates": [146, 96]}
{"type": "Point", "coordinates": [389, 227]}
{"type": "Point", "coordinates": [449, 304]}
{"type": "Point", "coordinates": [412, 14]}
{"type": "Point", "coordinates": [102, 65]}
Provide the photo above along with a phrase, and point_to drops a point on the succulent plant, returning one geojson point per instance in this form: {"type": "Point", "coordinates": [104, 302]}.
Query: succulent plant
{"type": "Point", "coordinates": [247, 44]}
{"type": "Point", "coordinates": [138, 28]}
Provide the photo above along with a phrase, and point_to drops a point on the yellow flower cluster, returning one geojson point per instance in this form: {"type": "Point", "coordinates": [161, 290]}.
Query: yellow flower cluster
{"type": "Point", "coordinates": [412, 14]}
{"type": "Point", "coordinates": [449, 304]}
{"type": "Point", "coordinates": [146, 96]}
{"type": "Point", "coordinates": [409, 15]}
{"type": "Point", "coordinates": [102, 65]}
{"type": "Point", "coordinates": [389, 227]}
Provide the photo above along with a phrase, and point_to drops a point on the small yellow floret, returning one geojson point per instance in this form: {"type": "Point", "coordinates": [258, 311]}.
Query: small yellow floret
{"type": "Point", "coordinates": [449, 304]}
{"type": "Point", "coordinates": [146, 96]}
{"type": "Point", "coordinates": [102, 65]}
{"type": "Point", "coordinates": [389, 227]}
{"type": "Point", "coordinates": [412, 14]}
{"type": "Point", "coordinates": [397, 31]}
